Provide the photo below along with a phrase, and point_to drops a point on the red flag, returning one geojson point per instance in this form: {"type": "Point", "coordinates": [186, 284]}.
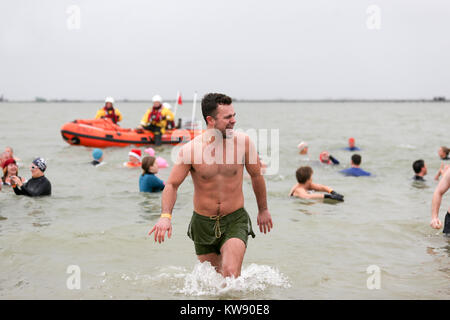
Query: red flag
{"type": "Point", "coordinates": [179, 101]}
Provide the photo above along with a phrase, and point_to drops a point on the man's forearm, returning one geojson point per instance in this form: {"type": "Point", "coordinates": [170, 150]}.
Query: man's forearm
{"type": "Point", "coordinates": [435, 204]}
{"type": "Point", "coordinates": [169, 196]}
{"type": "Point", "coordinates": [259, 188]}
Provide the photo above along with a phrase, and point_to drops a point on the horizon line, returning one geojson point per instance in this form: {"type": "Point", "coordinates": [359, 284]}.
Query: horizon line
{"type": "Point", "coordinates": [434, 99]}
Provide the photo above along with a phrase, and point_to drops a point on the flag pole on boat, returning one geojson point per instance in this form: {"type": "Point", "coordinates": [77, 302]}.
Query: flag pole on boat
{"type": "Point", "coordinates": [193, 110]}
{"type": "Point", "coordinates": [176, 104]}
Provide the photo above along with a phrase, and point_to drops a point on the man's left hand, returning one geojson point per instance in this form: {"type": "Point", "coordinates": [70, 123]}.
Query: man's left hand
{"type": "Point", "coordinates": [264, 221]}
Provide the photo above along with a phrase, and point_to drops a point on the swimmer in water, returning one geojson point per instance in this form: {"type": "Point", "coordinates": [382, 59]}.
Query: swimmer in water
{"type": "Point", "coordinates": [351, 145]}
{"type": "Point", "coordinates": [97, 154]}
{"type": "Point", "coordinates": [327, 158]}
{"type": "Point", "coordinates": [220, 225]}
{"type": "Point", "coordinates": [302, 148]}
{"type": "Point", "coordinates": [443, 154]}
{"type": "Point", "coordinates": [38, 185]}
{"type": "Point", "coordinates": [354, 169]}
{"type": "Point", "coordinates": [10, 169]}
{"type": "Point", "coordinates": [305, 184]}
{"type": "Point", "coordinates": [420, 170]}
{"type": "Point", "coordinates": [134, 159]}
{"type": "Point", "coordinates": [148, 181]}
{"type": "Point", "coordinates": [441, 188]}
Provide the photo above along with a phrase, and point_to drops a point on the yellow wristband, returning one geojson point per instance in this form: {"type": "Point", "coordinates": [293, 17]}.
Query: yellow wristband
{"type": "Point", "coordinates": [166, 215]}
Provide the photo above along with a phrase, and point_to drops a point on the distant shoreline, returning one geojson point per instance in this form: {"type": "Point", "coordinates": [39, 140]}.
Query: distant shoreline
{"type": "Point", "coordinates": [242, 100]}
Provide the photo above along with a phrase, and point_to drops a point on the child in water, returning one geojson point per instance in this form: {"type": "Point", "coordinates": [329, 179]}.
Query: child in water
{"type": "Point", "coordinates": [148, 181]}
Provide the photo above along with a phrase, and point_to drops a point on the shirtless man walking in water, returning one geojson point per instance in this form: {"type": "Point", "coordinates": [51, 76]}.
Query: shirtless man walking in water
{"type": "Point", "coordinates": [220, 225]}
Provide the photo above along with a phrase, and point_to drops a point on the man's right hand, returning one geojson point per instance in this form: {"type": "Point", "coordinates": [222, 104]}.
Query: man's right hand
{"type": "Point", "coordinates": [436, 223]}
{"type": "Point", "coordinates": [334, 196]}
{"type": "Point", "coordinates": [160, 229]}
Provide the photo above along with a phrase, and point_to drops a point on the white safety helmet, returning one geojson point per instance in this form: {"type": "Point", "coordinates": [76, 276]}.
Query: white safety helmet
{"type": "Point", "coordinates": [167, 105]}
{"type": "Point", "coordinates": [157, 98]}
{"type": "Point", "coordinates": [109, 99]}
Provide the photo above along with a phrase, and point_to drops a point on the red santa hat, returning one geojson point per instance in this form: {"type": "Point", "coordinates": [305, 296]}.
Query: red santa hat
{"type": "Point", "coordinates": [135, 153]}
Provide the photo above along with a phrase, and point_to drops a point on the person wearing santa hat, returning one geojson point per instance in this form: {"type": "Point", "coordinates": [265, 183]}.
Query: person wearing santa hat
{"type": "Point", "coordinates": [134, 159]}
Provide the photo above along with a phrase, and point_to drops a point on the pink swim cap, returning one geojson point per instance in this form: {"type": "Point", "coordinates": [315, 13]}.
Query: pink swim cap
{"type": "Point", "coordinates": [162, 163]}
{"type": "Point", "coordinates": [150, 152]}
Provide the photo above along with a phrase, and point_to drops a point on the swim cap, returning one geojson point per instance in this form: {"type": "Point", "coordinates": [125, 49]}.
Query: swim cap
{"type": "Point", "coordinates": [97, 154]}
{"type": "Point", "coordinates": [40, 163]}
{"type": "Point", "coordinates": [7, 162]}
{"type": "Point", "coordinates": [150, 151]}
{"type": "Point", "coordinates": [135, 153]}
{"type": "Point", "coordinates": [351, 140]}
{"type": "Point", "coordinates": [162, 163]}
{"type": "Point", "coordinates": [302, 145]}
{"type": "Point", "coordinates": [322, 155]}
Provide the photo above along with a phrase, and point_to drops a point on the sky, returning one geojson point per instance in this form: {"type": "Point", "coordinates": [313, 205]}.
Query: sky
{"type": "Point", "coordinates": [317, 49]}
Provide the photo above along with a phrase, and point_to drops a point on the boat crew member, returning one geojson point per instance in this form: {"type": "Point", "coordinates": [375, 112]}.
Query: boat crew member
{"type": "Point", "coordinates": [155, 119]}
{"type": "Point", "coordinates": [170, 117]}
{"type": "Point", "coordinates": [108, 111]}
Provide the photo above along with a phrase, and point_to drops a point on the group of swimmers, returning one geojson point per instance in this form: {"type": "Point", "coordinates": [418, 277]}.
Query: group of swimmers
{"type": "Point", "coordinates": [157, 119]}
{"type": "Point", "coordinates": [38, 185]}
{"type": "Point", "coordinates": [421, 170]}
{"type": "Point", "coordinates": [220, 225]}
{"type": "Point", "coordinates": [150, 164]}
{"type": "Point", "coordinates": [304, 173]}
{"type": "Point", "coordinates": [305, 186]}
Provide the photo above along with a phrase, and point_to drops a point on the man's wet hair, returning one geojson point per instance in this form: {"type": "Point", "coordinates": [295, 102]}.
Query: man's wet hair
{"type": "Point", "coordinates": [303, 174]}
{"type": "Point", "coordinates": [418, 165]}
{"type": "Point", "coordinates": [356, 159]}
{"type": "Point", "coordinates": [211, 101]}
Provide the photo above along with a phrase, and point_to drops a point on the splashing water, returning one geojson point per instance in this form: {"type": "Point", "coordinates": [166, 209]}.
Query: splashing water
{"type": "Point", "coordinates": [205, 281]}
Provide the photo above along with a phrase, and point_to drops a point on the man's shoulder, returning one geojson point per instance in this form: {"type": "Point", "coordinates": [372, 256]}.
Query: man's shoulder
{"type": "Point", "coordinates": [46, 179]}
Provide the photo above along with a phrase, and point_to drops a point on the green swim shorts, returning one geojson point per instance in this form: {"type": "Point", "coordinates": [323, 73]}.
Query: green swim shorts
{"type": "Point", "coordinates": [210, 233]}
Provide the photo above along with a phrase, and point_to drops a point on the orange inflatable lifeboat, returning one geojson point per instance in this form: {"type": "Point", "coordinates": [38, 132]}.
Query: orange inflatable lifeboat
{"type": "Point", "coordinates": [102, 133]}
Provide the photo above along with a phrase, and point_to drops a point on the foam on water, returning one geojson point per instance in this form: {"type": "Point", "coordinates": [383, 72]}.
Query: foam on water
{"type": "Point", "coordinates": [205, 281]}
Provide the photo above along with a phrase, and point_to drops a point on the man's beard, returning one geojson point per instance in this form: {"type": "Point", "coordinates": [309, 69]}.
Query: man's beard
{"type": "Point", "coordinates": [227, 133]}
